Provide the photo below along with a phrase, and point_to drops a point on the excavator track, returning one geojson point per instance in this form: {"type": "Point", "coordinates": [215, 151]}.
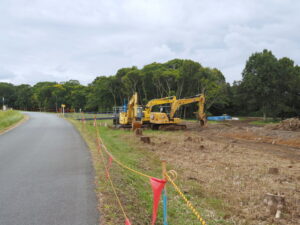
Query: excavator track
{"type": "Point", "coordinates": [171, 127]}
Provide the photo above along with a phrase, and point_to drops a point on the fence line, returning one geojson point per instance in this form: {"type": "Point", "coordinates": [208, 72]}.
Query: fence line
{"type": "Point", "coordinates": [98, 138]}
{"type": "Point", "coordinates": [101, 145]}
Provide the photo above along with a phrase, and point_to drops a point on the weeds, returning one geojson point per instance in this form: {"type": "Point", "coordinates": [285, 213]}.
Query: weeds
{"type": "Point", "coordinates": [8, 118]}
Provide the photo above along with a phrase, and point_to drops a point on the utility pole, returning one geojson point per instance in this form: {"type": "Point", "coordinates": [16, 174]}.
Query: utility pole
{"type": "Point", "coordinates": [3, 103]}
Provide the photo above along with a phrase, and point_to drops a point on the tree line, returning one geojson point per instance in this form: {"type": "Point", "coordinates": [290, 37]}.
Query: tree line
{"type": "Point", "coordinates": [269, 87]}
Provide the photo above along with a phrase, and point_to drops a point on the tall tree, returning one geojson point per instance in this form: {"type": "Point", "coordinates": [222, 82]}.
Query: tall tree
{"type": "Point", "coordinates": [7, 92]}
{"type": "Point", "coordinates": [43, 95]}
{"type": "Point", "coordinates": [259, 76]}
{"type": "Point", "coordinates": [24, 97]}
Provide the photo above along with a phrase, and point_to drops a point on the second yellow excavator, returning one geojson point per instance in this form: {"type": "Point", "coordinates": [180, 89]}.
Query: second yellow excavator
{"type": "Point", "coordinates": [164, 121]}
{"type": "Point", "coordinates": [154, 102]}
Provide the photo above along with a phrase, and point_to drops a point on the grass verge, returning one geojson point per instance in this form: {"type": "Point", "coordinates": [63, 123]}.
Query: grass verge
{"type": "Point", "coordinates": [135, 191]}
{"type": "Point", "coordinates": [9, 118]}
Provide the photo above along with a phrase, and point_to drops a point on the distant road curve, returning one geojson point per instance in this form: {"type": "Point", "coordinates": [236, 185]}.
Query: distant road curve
{"type": "Point", "coordinates": [46, 175]}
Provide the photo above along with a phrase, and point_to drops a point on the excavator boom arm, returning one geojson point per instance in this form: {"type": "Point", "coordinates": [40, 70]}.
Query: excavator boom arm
{"type": "Point", "coordinates": [154, 102]}
{"type": "Point", "coordinates": [200, 99]}
{"type": "Point", "coordinates": [160, 101]}
{"type": "Point", "coordinates": [132, 106]}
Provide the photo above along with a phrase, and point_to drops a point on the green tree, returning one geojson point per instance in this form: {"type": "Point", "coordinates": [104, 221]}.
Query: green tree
{"type": "Point", "coordinates": [131, 81]}
{"type": "Point", "coordinates": [259, 80]}
{"type": "Point", "coordinates": [43, 95]}
{"type": "Point", "coordinates": [99, 96]}
{"type": "Point", "coordinates": [24, 97]}
{"type": "Point", "coordinates": [7, 91]}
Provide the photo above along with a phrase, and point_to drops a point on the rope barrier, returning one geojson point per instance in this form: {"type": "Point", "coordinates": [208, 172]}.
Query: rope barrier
{"type": "Point", "coordinates": [172, 173]}
{"type": "Point", "coordinates": [188, 203]}
{"type": "Point", "coordinates": [122, 165]}
{"type": "Point", "coordinates": [110, 180]}
{"type": "Point", "coordinates": [113, 186]}
{"type": "Point", "coordinates": [117, 161]}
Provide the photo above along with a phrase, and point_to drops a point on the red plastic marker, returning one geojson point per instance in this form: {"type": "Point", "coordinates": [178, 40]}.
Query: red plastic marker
{"type": "Point", "coordinates": [127, 222]}
{"type": "Point", "coordinates": [157, 187]}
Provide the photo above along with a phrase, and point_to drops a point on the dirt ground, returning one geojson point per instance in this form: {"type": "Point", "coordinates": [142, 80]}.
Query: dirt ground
{"type": "Point", "coordinates": [240, 164]}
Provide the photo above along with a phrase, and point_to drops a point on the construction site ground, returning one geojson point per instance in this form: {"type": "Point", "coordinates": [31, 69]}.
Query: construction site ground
{"type": "Point", "coordinates": [240, 164]}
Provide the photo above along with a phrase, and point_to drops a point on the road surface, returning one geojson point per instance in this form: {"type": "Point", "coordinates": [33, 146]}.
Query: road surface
{"type": "Point", "coordinates": [46, 175]}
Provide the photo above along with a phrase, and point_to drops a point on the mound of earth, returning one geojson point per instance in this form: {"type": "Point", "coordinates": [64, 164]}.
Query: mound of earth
{"type": "Point", "coordinates": [292, 124]}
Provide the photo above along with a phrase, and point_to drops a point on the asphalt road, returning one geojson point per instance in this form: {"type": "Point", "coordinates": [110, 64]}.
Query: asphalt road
{"type": "Point", "coordinates": [46, 175]}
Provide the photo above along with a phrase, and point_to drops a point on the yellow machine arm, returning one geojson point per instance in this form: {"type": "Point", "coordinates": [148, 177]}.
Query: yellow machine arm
{"type": "Point", "coordinates": [199, 98]}
{"type": "Point", "coordinates": [154, 102]}
{"type": "Point", "coordinates": [126, 118]}
{"type": "Point", "coordinates": [159, 101]}
{"type": "Point", "coordinates": [132, 107]}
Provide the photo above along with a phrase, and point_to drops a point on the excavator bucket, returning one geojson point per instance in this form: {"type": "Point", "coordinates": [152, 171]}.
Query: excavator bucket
{"type": "Point", "coordinates": [202, 122]}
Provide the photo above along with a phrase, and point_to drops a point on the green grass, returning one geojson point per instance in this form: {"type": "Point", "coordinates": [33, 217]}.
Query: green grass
{"type": "Point", "coordinates": [135, 191]}
{"type": "Point", "coordinates": [9, 118]}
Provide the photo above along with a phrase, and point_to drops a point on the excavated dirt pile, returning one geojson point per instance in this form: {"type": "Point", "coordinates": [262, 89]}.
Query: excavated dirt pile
{"type": "Point", "coordinates": [292, 124]}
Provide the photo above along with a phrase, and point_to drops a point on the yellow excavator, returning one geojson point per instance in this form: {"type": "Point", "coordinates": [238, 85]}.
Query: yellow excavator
{"type": "Point", "coordinates": [154, 102]}
{"type": "Point", "coordinates": [133, 115]}
{"type": "Point", "coordinates": [164, 121]}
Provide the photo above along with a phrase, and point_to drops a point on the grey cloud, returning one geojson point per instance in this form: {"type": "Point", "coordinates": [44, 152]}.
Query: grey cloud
{"type": "Point", "coordinates": [5, 74]}
{"type": "Point", "coordinates": [82, 39]}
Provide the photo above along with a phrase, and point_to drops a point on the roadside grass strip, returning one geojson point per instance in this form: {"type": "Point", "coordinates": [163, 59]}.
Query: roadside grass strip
{"type": "Point", "coordinates": [124, 193]}
{"type": "Point", "coordinates": [9, 118]}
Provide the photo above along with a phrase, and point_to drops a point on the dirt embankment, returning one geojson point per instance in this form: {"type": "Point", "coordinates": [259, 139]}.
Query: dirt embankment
{"type": "Point", "coordinates": [292, 124]}
{"type": "Point", "coordinates": [237, 164]}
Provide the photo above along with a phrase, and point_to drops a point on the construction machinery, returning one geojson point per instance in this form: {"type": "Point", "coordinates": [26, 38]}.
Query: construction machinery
{"type": "Point", "coordinates": [132, 116]}
{"type": "Point", "coordinates": [135, 116]}
{"type": "Point", "coordinates": [154, 102]}
{"type": "Point", "coordinates": [164, 121]}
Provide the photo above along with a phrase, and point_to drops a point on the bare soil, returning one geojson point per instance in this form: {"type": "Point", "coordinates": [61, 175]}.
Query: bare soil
{"type": "Point", "coordinates": [292, 124]}
{"type": "Point", "coordinates": [232, 162]}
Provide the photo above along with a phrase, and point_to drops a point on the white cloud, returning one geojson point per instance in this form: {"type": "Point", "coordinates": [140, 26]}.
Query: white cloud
{"type": "Point", "coordinates": [60, 40]}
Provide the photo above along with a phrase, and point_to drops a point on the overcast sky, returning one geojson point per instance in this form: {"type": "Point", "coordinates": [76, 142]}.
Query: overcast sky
{"type": "Point", "coordinates": [59, 40]}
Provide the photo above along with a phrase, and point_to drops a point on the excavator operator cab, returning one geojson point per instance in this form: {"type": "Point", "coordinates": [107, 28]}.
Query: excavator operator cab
{"type": "Point", "coordinates": [139, 113]}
